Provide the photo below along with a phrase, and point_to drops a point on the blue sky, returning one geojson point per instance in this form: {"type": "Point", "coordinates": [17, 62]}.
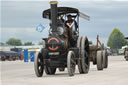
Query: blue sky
{"type": "Point", "coordinates": [20, 18]}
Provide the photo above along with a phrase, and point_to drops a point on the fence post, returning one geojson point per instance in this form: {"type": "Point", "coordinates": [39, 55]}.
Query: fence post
{"type": "Point", "coordinates": [25, 55]}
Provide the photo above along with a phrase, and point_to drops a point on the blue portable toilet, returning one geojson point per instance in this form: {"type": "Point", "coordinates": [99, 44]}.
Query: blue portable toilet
{"type": "Point", "coordinates": [25, 55]}
{"type": "Point", "coordinates": [32, 55]}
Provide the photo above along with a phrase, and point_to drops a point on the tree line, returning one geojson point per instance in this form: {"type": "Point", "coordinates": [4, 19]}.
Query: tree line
{"type": "Point", "coordinates": [18, 42]}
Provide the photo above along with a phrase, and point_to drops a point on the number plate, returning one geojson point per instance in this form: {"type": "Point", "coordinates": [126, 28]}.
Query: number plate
{"type": "Point", "coordinates": [53, 53]}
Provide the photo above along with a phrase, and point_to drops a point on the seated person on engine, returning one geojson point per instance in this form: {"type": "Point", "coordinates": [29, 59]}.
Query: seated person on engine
{"type": "Point", "coordinates": [70, 22]}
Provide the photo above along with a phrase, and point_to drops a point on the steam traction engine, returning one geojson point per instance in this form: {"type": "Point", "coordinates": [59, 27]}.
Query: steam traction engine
{"type": "Point", "coordinates": [64, 48]}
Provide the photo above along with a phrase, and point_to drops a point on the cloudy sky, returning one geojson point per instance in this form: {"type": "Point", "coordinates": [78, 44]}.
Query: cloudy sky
{"type": "Point", "coordinates": [19, 18]}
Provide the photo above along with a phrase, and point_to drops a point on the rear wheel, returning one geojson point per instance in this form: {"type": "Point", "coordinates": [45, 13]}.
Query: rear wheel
{"type": "Point", "coordinates": [38, 64]}
{"type": "Point", "coordinates": [71, 63]}
{"type": "Point", "coordinates": [85, 61]}
{"type": "Point", "coordinates": [99, 60]}
{"type": "Point", "coordinates": [105, 59]}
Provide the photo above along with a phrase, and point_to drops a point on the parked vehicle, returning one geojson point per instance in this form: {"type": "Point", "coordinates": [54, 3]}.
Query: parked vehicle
{"type": "Point", "coordinates": [13, 54]}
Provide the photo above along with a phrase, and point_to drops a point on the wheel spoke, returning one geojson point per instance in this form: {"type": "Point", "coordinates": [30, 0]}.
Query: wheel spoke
{"type": "Point", "coordinates": [86, 65]}
{"type": "Point", "coordinates": [39, 60]}
{"type": "Point", "coordinates": [86, 45]}
{"type": "Point", "coordinates": [86, 57]}
{"type": "Point", "coordinates": [39, 64]}
{"type": "Point", "coordinates": [72, 61]}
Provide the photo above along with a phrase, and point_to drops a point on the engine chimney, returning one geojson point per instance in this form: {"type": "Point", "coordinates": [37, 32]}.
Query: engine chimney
{"type": "Point", "coordinates": [54, 15]}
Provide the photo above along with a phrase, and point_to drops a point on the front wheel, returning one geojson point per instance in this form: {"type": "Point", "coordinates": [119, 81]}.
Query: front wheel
{"type": "Point", "coordinates": [71, 63]}
{"type": "Point", "coordinates": [49, 70]}
{"type": "Point", "coordinates": [38, 64]}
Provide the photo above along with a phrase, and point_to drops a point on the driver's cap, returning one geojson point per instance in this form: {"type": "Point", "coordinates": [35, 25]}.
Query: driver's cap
{"type": "Point", "coordinates": [69, 15]}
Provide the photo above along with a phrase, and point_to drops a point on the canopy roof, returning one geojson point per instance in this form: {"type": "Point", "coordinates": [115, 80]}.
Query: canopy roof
{"type": "Point", "coordinates": [64, 10]}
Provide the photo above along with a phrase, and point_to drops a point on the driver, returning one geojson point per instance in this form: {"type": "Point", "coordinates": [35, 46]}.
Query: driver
{"type": "Point", "coordinates": [70, 21]}
{"type": "Point", "coordinates": [69, 25]}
